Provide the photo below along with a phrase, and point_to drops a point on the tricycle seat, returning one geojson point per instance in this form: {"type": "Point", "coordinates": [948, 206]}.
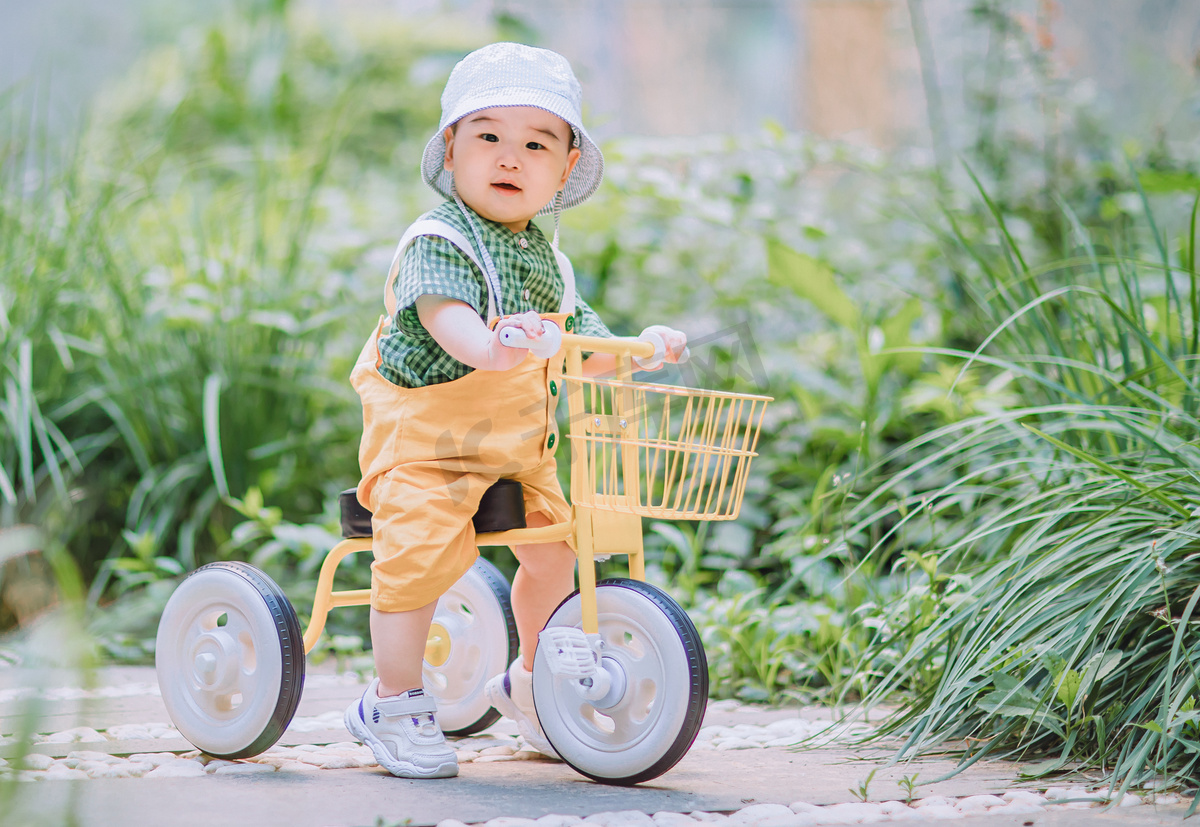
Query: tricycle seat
{"type": "Point", "coordinates": [501, 509]}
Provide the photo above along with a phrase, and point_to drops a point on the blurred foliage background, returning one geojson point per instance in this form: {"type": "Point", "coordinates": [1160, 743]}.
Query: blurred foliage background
{"type": "Point", "coordinates": [977, 488]}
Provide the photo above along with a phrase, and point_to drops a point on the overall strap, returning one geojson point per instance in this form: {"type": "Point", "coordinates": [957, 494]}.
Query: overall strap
{"type": "Point", "coordinates": [568, 277]}
{"type": "Point", "coordinates": [440, 229]}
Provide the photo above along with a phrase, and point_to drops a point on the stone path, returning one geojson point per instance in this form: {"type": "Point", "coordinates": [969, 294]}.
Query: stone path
{"type": "Point", "coordinates": [794, 766]}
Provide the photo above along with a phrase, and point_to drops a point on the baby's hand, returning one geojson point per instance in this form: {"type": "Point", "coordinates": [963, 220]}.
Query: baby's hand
{"type": "Point", "coordinates": [529, 321]}
{"type": "Point", "coordinates": [675, 340]}
{"type": "Point", "coordinates": [503, 358]}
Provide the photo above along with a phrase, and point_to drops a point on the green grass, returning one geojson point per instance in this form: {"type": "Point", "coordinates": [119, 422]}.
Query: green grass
{"type": "Point", "coordinates": [1072, 523]}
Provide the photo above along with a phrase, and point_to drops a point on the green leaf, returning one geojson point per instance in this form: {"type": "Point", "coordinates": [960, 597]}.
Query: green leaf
{"type": "Point", "coordinates": [810, 279]}
{"type": "Point", "coordinates": [1068, 688]}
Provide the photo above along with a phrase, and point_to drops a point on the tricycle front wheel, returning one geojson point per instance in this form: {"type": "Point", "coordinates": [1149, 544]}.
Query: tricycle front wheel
{"type": "Point", "coordinates": [659, 687]}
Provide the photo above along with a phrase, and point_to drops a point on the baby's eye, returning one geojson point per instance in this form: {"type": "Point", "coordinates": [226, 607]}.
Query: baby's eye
{"type": "Point", "coordinates": [534, 145]}
{"type": "Point", "coordinates": [488, 136]}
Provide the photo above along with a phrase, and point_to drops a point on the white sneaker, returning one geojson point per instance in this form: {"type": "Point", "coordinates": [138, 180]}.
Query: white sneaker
{"type": "Point", "coordinates": [511, 693]}
{"type": "Point", "coordinates": [402, 733]}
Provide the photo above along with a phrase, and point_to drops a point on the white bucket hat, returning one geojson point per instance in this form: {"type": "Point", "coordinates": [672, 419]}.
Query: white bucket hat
{"type": "Point", "coordinates": [511, 74]}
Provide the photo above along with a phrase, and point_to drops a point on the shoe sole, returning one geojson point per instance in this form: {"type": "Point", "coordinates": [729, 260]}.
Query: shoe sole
{"type": "Point", "coordinates": [401, 769]}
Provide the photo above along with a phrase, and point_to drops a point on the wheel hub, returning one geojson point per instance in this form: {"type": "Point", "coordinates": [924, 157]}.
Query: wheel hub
{"type": "Point", "coordinates": [216, 661]}
{"type": "Point", "coordinates": [616, 684]}
{"type": "Point", "coordinates": [437, 646]}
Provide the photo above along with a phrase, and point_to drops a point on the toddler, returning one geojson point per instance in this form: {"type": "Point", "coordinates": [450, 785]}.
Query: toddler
{"type": "Point", "coordinates": [448, 410]}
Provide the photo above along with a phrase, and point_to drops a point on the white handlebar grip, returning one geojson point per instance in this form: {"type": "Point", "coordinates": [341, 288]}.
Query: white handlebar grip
{"type": "Point", "coordinates": [543, 347]}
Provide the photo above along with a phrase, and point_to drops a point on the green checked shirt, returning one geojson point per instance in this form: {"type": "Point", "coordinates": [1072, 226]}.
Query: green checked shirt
{"type": "Point", "coordinates": [529, 280]}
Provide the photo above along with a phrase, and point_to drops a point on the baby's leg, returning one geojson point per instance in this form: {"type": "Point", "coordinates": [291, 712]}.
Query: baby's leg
{"type": "Point", "coordinates": [398, 641]}
{"type": "Point", "coordinates": [545, 577]}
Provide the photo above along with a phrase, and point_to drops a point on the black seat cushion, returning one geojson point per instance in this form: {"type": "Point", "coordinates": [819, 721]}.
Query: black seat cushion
{"type": "Point", "coordinates": [501, 509]}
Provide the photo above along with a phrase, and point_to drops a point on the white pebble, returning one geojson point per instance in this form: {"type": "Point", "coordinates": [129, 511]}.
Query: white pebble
{"type": "Point", "coordinates": [345, 762]}
{"type": "Point", "coordinates": [786, 741]}
{"type": "Point", "coordinates": [1018, 807]}
{"type": "Point", "coordinates": [511, 821]}
{"type": "Point", "coordinates": [1027, 796]}
{"type": "Point", "coordinates": [216, 764]}
{"type": "Point", "coordinates": [978, 804]}
{"type": "Point", "coordinates": [241, 768]}
{"type": "Point", "coordinates": [37, 761]}
{"type": "Point", "coordinates": [736, 743]}
{"type": "Point", "coordinates": [81, 734]}
{"type": "Point", "coordinates": [1167, 798]}
{"type": "Point", "coordinates": [709, 818]}
{"type": "Point", "coordinates": [555, 820]}
{"type": "Point", "coordinates": [58, 772]}
{"type": "Point", "coordinates": [466, 756]}
{"type": "Point", "coordinates": [154, 759]}
{"type": "Point", "coordinates": [934, 801]}
{"type": "Point", "coordinates": [850, 814]}
{"type": "Point", "coordinates": [907, 814]}
{"type": "Point", "coordinates": [129, 732]}
{"type": "Point", "coordinates": [669, 819]}
{"type": "Point", "coordinates": [89, 755]}
{"type": "Point", "coordinates": [1062, 793]}
{"type": "Point", "coordinates": [892, 807]}
{"type": "Point", "coordinates": [503, 749]}
{"type": "Point", "coordinates": [1129, 800]}
{"type": "Point", "coordinates": [940, 811]}
{"type": "Point", "coordinates": [491, 759]}
{"type": "Point", "coordinates": [298, 766]}
{"type": "Point", "coordinates": [802, 807]}
{"type": "Point", "coordinates": [111, 771]}
{"type": "Point", "coordinates": [184, 768]}
{"type": "Point", "coordinates": [757, 814]}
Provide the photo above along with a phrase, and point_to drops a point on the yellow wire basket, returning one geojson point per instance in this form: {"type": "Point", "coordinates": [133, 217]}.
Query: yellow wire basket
{"type": "Point", "coordinates": [662, 451]}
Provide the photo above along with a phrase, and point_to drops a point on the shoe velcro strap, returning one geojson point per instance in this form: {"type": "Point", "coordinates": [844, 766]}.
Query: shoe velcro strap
{"type": "Point", "coordinates": [403, 705]}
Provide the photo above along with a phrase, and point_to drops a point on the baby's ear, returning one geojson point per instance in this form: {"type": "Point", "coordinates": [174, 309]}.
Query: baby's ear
{"type": "Point", "coordinates": [448, 156]}
{"type": "Point", "coordinates": [572, 159]}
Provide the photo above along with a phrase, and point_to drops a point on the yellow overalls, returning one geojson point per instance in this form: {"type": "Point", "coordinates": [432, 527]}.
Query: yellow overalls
{"type": "Point", "coordinates": [428, 454]}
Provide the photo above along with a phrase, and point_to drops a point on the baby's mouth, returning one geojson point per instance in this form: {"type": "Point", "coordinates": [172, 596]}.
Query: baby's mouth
{"type": "Point", "coordinates": [507, 187]}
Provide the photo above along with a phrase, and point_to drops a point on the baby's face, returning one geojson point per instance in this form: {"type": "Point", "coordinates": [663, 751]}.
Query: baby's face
{"type": "Point", "coordinates": [509, 161]}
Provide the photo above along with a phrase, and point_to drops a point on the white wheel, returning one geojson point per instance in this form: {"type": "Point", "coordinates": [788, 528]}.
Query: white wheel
{"type": "Point", "coordinates": [659, 686]}
{"type": "Point", "coordinates": [473, 638]}
{"type": "Point", "coordinates": [230, 660]}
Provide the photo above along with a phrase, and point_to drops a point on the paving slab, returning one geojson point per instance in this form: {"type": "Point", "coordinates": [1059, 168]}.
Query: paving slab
{"type": "Point", "coordinates": [707, 779]}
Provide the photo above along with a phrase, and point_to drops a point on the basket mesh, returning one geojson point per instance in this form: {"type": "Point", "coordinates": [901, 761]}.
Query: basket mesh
{"type": "Point", "coordinates": [663, 451]}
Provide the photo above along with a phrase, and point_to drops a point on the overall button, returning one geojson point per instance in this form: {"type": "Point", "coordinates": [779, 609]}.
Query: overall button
{"type": "Point", "coordinates": [570, 325]}
{"type": "Point", "coordinates": [553, 388]}
{"type": "Point", "coordinates": [550, 441]}
{"type": "Point", "coordinates": [523, 242]}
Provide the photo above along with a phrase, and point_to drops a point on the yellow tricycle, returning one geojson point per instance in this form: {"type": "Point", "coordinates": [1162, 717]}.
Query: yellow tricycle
{"type": "Point", "coordinates": [620, 678]}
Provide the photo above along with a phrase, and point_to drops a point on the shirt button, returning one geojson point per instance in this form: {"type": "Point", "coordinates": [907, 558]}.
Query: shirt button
{"type": "Point", "coordinates": [550, 441]}
{"type": "Point", "coordinates": [526, 294]}
{"type": "Point", "coordinates": [523, 243]}
{"type": "Point", "coordinates": [553, 388]}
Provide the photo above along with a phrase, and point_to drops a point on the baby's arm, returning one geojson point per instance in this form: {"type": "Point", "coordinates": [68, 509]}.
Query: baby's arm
{"type": "Point", "coordinates": [459, 331]}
